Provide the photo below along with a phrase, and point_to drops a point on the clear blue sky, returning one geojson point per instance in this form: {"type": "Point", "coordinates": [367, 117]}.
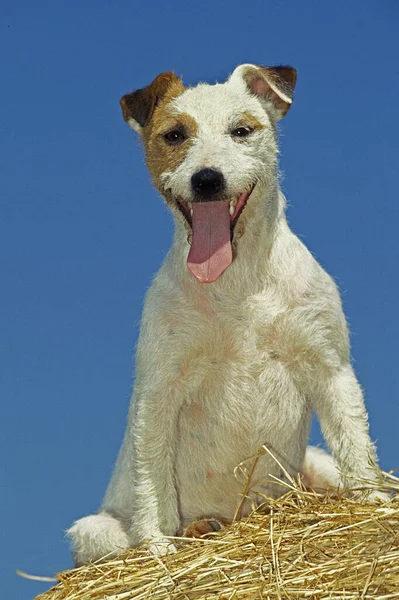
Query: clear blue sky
{"type": "Point", "coordinates": [83, 231]}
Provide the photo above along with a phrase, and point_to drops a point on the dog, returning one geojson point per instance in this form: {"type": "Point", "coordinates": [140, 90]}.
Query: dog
{"type": "Point", "coordinates": [242, 337]}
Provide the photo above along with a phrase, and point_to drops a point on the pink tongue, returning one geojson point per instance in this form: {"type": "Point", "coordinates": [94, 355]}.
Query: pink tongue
{"type": "Point", "coordinates": [210, 253]}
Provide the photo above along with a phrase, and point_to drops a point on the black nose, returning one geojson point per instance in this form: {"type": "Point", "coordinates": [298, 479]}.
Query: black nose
{"type": "Point", "coordinates": [207, 183]}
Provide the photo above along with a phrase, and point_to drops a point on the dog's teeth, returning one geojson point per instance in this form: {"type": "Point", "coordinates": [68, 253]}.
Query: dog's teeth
{"type": "Point", "coordinates": [191, 212]}
{"type": "Point", "coordinates": [232, 210]}
{"type": "Point", "coordinates": [233, 202]}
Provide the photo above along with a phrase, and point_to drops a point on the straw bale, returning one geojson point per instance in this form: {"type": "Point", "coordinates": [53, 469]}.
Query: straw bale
{"type": "Point", "coordinates": [306, 545]}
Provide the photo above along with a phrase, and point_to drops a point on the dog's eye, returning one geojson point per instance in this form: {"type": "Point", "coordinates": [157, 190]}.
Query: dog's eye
{"type": "Point", "coordinates": [176, 136]}
{"type": "Point", "coordinates": [241, 132]}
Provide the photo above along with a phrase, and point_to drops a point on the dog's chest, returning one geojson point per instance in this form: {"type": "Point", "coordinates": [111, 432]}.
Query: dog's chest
{"type": "Point", "coordinates": [240, 392]}
{"type": "Point", "coordinates": [222, 346]}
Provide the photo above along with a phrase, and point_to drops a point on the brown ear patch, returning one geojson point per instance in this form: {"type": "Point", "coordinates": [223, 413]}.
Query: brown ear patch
{"type": "Point", "coordinates": [150, 111]}
{"type": "Point", "coordinates": [275, 84]}
{"type": "Point", "coordinates": [138, 106]}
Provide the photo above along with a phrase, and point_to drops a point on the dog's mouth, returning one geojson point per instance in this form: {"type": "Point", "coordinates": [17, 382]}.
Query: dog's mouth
{"type": "Point", "coordinates": [212, 224]}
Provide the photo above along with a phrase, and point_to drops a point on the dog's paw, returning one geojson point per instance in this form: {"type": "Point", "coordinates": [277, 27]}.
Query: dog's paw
{"type": "Point", "coordinates": [96, 537]}
{"type": "Point", "coordinates": [161, 547]}
{"type": "Point", "coordinates": [378, 497]}
{"type": "Point", "coordinates": [198, 529]}
{"type": "Point", "coordinates": [370, 495]}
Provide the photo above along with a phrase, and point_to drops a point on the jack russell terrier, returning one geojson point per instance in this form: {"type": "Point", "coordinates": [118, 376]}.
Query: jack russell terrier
{"type": "Point", "coordinates": [242, 335]}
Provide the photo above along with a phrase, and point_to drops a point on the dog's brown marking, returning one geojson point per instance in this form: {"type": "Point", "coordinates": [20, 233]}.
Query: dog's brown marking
{"type": "Point", "coordinates": [160, 156]}
{"type": "Point", "coordinates": [140, 104]}
{"type": "Point", "coordinates": [151, 107]}
{"type": "Point", "coordinates": [249, 120]}
{"type": "Point", "coordinates": [269, 81]}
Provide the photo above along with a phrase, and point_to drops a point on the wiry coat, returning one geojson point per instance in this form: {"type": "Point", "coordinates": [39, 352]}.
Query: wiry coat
{"type": "Point", "coordinates": [226, 367]}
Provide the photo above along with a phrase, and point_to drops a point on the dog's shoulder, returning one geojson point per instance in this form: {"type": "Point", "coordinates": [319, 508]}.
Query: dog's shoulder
{"type": "Point", "coordinates": [301, 278]}
{"type": "Point", "coordinates": [312, 326]}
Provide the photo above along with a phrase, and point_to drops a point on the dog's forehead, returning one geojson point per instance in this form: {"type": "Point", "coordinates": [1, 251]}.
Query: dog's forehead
{"type": "Point", "coordinates": [218, 104]}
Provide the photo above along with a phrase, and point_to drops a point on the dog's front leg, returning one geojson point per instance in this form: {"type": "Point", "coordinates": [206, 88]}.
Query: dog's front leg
{"type": "Point", "coordinates": [340, 408]}
{"type": "Point", "coordinates": [153, 431]}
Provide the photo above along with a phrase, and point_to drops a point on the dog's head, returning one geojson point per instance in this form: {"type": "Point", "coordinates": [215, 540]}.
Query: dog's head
{"type": "Point", "coordinates": [212, 152]}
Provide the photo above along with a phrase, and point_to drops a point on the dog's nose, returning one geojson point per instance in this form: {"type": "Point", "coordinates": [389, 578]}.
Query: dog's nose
{"type": "Point", "coordinates": [207, 183]}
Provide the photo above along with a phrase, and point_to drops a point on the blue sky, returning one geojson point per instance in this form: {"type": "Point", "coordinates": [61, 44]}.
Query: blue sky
{"type": "Point", "coordinates": [83, 231]}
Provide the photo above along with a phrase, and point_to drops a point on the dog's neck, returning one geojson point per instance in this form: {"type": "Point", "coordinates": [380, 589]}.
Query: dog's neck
{"type": "Point", "coordinates": [251, 266]}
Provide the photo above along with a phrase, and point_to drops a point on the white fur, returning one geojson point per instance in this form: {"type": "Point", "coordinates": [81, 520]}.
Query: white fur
{"type": "Point", "coordinates": [97, 536]}
{"type": "Point", "coordinates": [320, 471]}
{"type": "Point", "coordinates": [223, 368]}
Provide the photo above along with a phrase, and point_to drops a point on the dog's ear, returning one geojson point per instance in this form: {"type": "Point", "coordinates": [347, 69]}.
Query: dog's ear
{"type": "Point", "coordinates": [138, 106]}
{"type": "Point", "coordinates": [274, 86]}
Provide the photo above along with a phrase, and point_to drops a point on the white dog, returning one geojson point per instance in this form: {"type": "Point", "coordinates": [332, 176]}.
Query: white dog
{"type": "Point", "coordinates": [243, 334]}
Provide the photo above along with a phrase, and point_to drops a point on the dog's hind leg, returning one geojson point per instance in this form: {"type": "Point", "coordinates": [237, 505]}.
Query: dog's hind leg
{"type": "Point", "coordinates": [97, 536]}
{"type": "Point", "coordinates": [319, 470]}
{"type": "Point", "coordinates": [105, 534]}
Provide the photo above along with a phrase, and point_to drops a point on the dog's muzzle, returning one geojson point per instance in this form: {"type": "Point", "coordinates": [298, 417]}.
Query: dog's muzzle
{"type": "Point", "coordinates": [212, 216]}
